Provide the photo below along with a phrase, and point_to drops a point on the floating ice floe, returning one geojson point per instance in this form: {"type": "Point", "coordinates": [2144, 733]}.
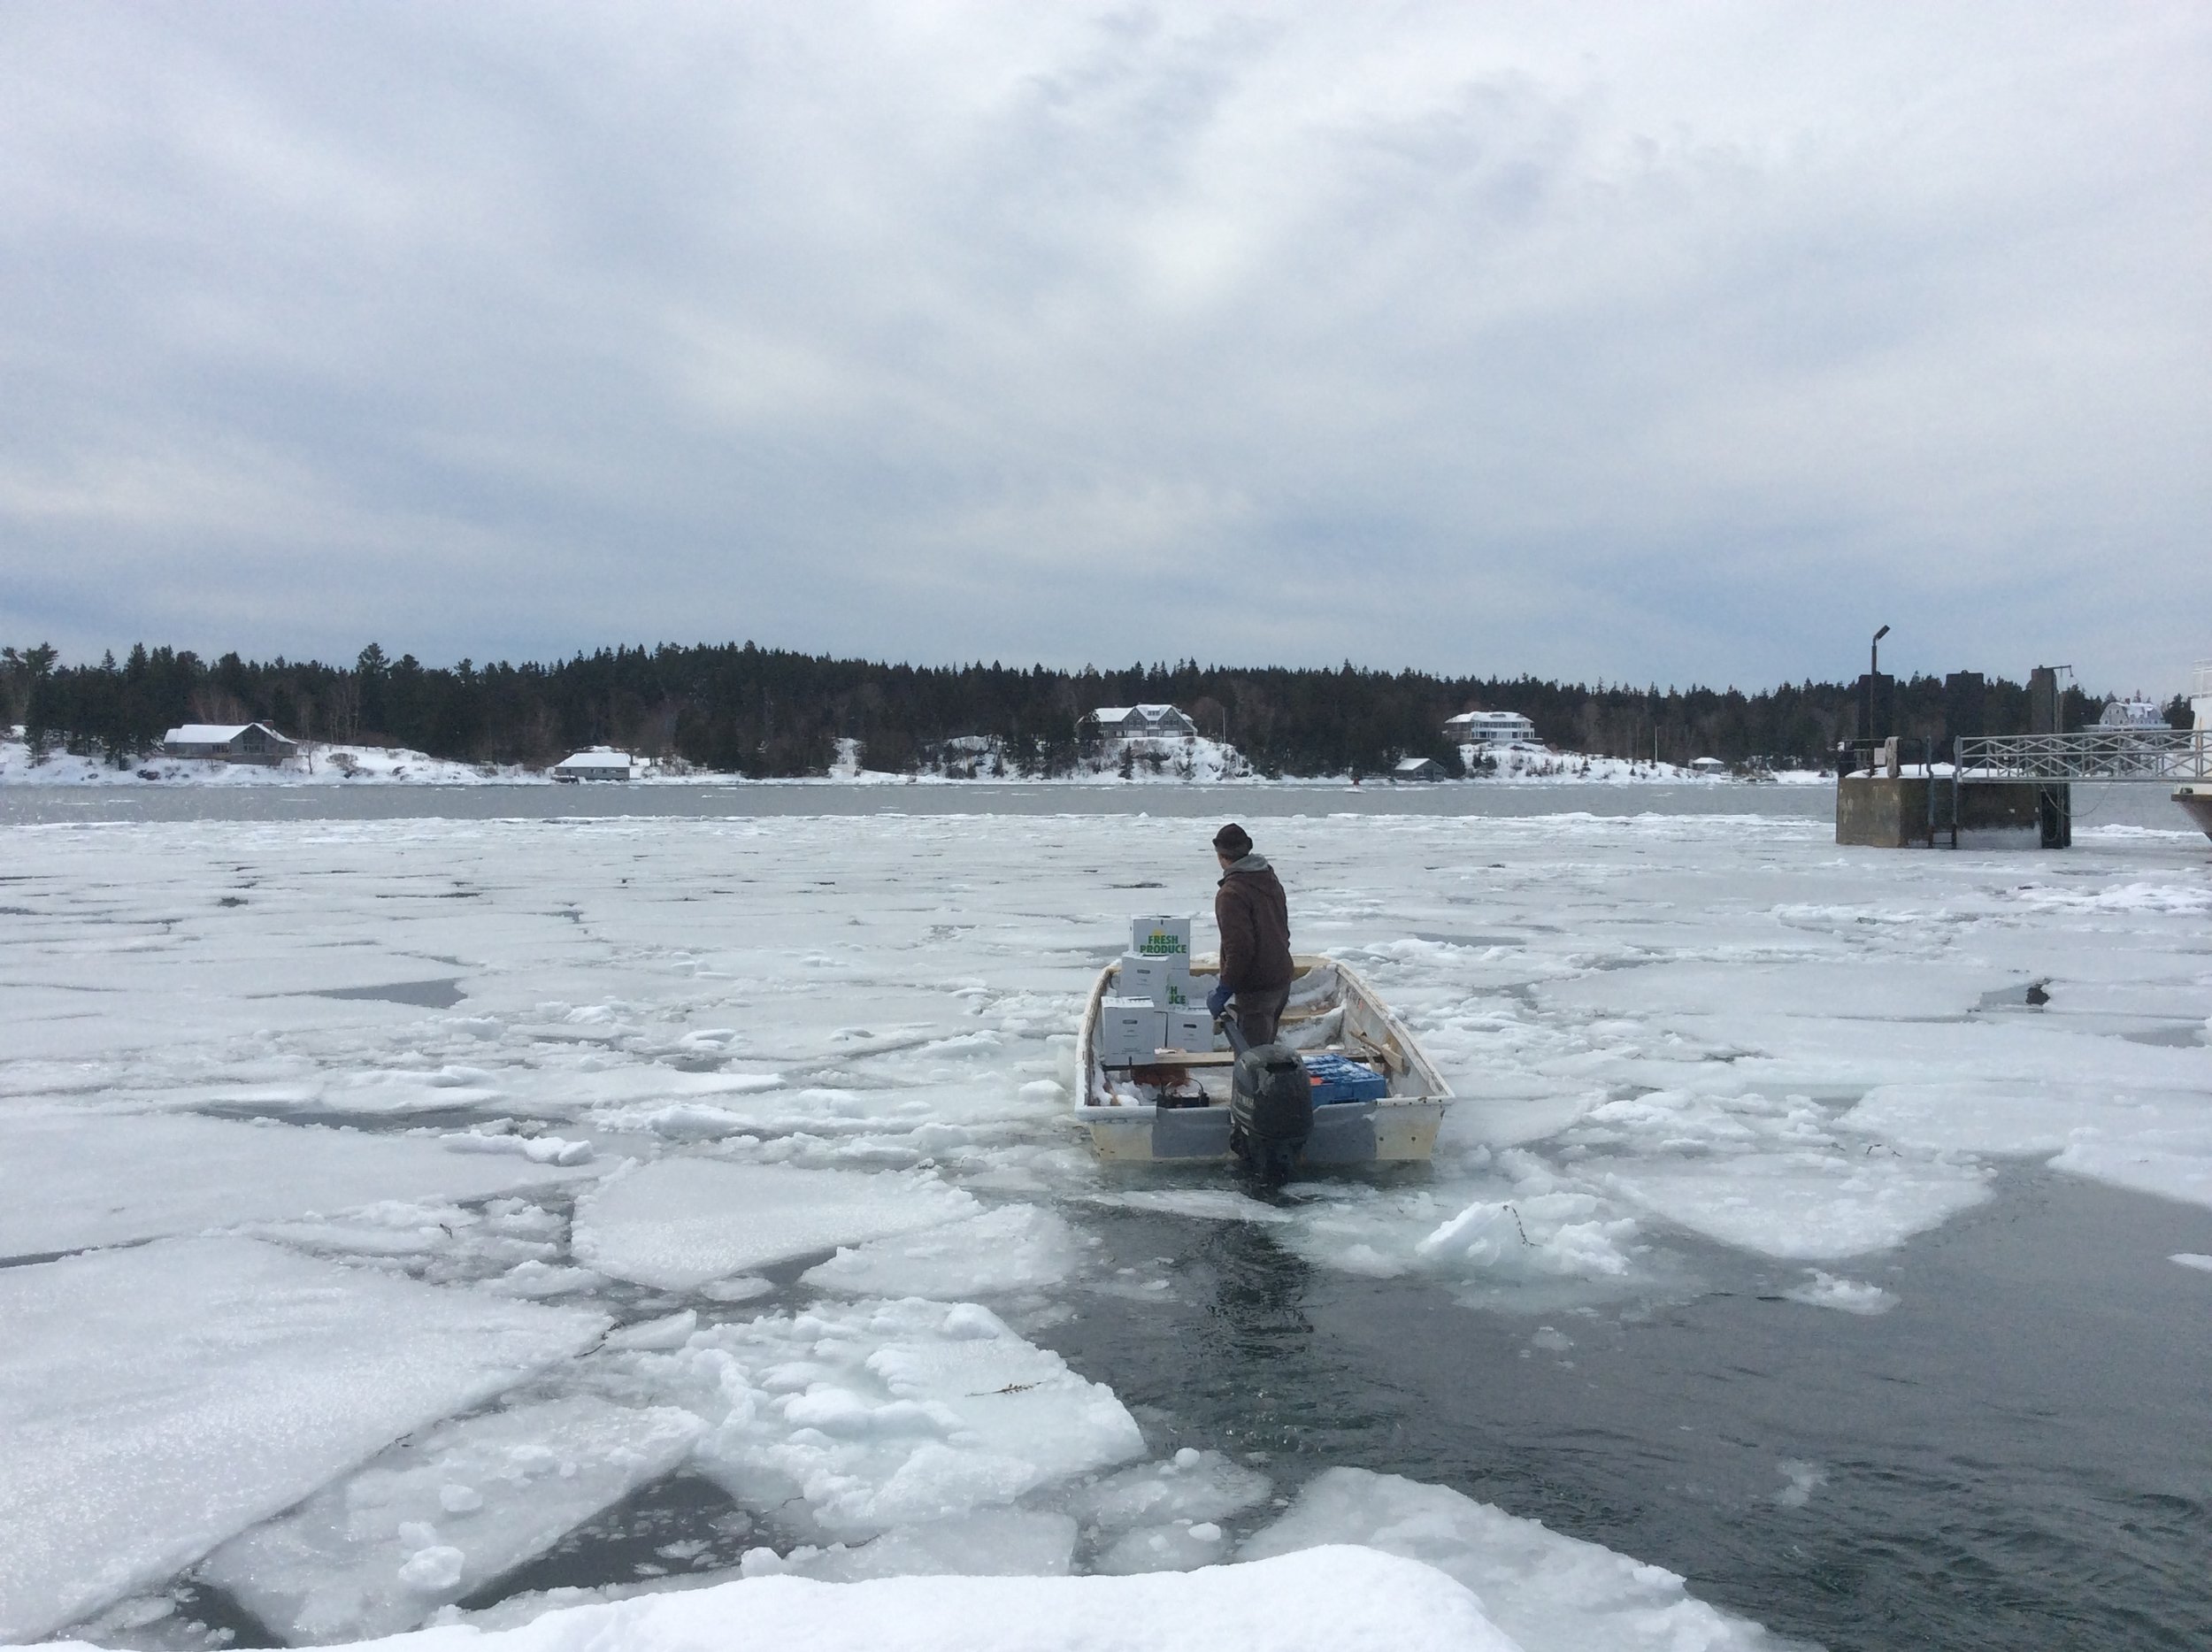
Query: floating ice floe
{"type": "Point", "coordinates": [1175, 1545]}
{"type": "Point", "coordinates": [678, 1223]}
{"type": "Point", "coordinates": [1783, 1178]}
{"type": "Point", "coordinates": [2171, 1159]}
{"type": "Point", "coordinates": [1823, 989]}
{"type": "Point", "coordinates": [1191, 1486]}
{"type": "Point", "coordinates": [1803, 1480]}
{"type": "Point", "coordinates": [1524, 1229]}
{"type": "Point", "coordinates": [1547, 1591]}
{"type": "Point", "coordinates": [1850, 1296]}
{"type": "Point", "coordinates": [1809, 1206]}
{"type": "Point", "coordinates": [537, 1149]}
{"type": "Point", "coordinates": [2163, 899]}
{"type": "Point", "coordinates": [2000, 1117]}
{"type": "Point", "coordinates": [442, 1514]}
{"type": "Point", "coordinates": [158, 1400]}
{"type": "Point", "coordinates": [391, 1228]}
{"type": "Point", "coordinates": [400, 1091]}
{"type": "Point", "coordinates": [1164, 1516]}
{"type": "Point", "coordinates": [843, 1422]}
{"type": "Point", "coordinates": [1550, 1235]}
{"type": "Point", "coordinates": [70, 1180]}
{"type": "Point", "coordinates": [1014, 1248]}
{"type": "Point", "coordinates": [533, 1278]}
{"type": "Point", "coordinates": [1336, 1599]}
{"type": "Point", "coordinates": [2154, 1139]}
{"type": "Point", "coordinates": [985, 1543]}
{"type": "Point", "coordinates": [669, 1331]}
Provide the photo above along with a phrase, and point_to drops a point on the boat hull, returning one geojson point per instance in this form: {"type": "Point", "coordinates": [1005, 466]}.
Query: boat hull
{"type": "Point", "coordinates": [1349, 1133]}
{"type": "Point", "coordinates": [1400, 1128]}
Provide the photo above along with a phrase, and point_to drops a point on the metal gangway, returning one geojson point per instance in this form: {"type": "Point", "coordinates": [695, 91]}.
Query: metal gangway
{"type": "Point", "coordinates": [2122, 756]}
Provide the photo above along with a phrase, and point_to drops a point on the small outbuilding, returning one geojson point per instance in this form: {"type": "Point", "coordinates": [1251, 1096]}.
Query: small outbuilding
{"type": "Point", "coordinates": [229, 742]}
{"type": "Point", "coordinates": [1417, 769]}
{"type": "Point", "coordinates": [601, 763]}
{"type": "Point", "coordinates": [1708, 766]}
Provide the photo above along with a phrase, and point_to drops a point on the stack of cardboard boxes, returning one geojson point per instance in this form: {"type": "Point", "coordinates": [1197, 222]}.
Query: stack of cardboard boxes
{"type": "Point", "coordinates": [1155, 1006]}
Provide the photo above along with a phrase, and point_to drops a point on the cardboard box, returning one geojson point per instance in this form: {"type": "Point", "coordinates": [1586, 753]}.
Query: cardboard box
{"type": "Point", "coordinates": [1189, 1029]}
{"type": "Point", "coordinates": [1162, 982]}
{"type": "Point", "coordinates": [1128, 1031]}
{"type": "Point", "coordinates": [1160, 937]}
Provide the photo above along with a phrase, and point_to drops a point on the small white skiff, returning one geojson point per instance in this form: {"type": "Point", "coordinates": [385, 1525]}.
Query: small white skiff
{"type": "Point", "coordinates": [1331, 1009]}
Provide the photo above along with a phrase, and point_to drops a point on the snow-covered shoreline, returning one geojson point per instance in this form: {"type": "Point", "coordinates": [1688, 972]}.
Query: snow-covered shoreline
{"type": "Point", "coordinates": [364, 767]}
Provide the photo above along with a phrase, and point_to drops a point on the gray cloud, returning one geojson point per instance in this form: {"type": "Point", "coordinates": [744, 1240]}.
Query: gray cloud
{"type": "Point", "coordinates": [1644, 343]}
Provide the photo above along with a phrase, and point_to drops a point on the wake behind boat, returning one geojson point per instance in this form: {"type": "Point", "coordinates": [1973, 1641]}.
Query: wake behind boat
{"type": "Point", "coordinates": [1144, 1105]}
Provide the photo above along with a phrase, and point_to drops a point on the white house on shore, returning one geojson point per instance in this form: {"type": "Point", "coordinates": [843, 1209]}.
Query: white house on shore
{"type": "Point", "coordinates": [228, 742]}
{"type": "Point", "coordinates": [1139, 722]}
{"type": "Point", "coordinates": [1490, 728]}
{"type": "Point", "coordinates": [601, 763]}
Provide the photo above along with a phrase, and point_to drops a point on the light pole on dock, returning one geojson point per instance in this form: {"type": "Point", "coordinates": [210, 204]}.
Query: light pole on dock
{"type": "Point", "coordinates": [1870, 693]}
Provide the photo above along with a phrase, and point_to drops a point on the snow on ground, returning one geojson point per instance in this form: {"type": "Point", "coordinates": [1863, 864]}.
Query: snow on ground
{"type": "Point", "coordinates": [785, 1095]}
{"type": "Point", "coordinates": [1201, 761]}
{"type": "Point", "coordinates": [327, 764]}
{"type": "Point", "coordinates": [1526, 765]}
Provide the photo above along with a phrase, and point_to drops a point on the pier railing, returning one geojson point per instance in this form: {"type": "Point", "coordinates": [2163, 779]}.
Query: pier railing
{"type": "Point", "coordinates": [2137, 755]}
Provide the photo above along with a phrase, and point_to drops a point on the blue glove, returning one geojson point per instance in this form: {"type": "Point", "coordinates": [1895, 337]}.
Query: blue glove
{"type": "Point", "coordinates": [1217, 1001]}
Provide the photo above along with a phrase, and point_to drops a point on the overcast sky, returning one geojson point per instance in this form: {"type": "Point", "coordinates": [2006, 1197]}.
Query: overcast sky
{"type": "Point", "coordinates": [1649, 342]}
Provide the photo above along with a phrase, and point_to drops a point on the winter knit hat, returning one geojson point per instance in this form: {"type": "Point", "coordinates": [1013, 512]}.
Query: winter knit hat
{"type": "Point", "coordinates": [1233, 840]}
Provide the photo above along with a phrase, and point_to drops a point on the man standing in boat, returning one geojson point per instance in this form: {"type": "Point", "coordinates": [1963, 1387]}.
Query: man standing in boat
{"type": "Point", "coordinates": [1255, 923]}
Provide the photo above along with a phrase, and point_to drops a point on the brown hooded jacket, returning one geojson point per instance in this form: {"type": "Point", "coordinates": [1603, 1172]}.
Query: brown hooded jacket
{"type": "Point", "coordinates": [1255, 921]}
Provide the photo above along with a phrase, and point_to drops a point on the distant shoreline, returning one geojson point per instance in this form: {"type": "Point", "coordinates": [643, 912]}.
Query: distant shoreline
{"type": "Point", "coordinates": [379, 767]}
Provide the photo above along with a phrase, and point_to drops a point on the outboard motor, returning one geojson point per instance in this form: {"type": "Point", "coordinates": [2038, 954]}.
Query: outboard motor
{"type": "Point", "coordinates": [1271, 1108]}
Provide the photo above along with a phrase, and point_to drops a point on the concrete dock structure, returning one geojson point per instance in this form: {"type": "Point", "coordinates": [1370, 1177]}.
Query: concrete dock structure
{"type": "Point", "coordinates": [1910, 809]}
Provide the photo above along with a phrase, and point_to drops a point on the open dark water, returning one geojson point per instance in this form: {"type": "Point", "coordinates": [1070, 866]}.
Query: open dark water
{"type": "Point", "coordinates": [2019, 1455]}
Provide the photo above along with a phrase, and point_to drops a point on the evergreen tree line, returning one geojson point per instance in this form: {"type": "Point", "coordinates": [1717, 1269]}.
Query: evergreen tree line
{"type": "Point", "coordinates": [768, 712]}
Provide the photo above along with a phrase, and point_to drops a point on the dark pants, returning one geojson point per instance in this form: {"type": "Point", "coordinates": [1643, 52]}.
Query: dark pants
{"type": "Point", "coordinates": [1257, 1013]}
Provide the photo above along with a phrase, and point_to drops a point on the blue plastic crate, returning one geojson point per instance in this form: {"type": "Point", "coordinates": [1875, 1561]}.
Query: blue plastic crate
{"type": "Point", "coordinates": [1339, 1079]}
